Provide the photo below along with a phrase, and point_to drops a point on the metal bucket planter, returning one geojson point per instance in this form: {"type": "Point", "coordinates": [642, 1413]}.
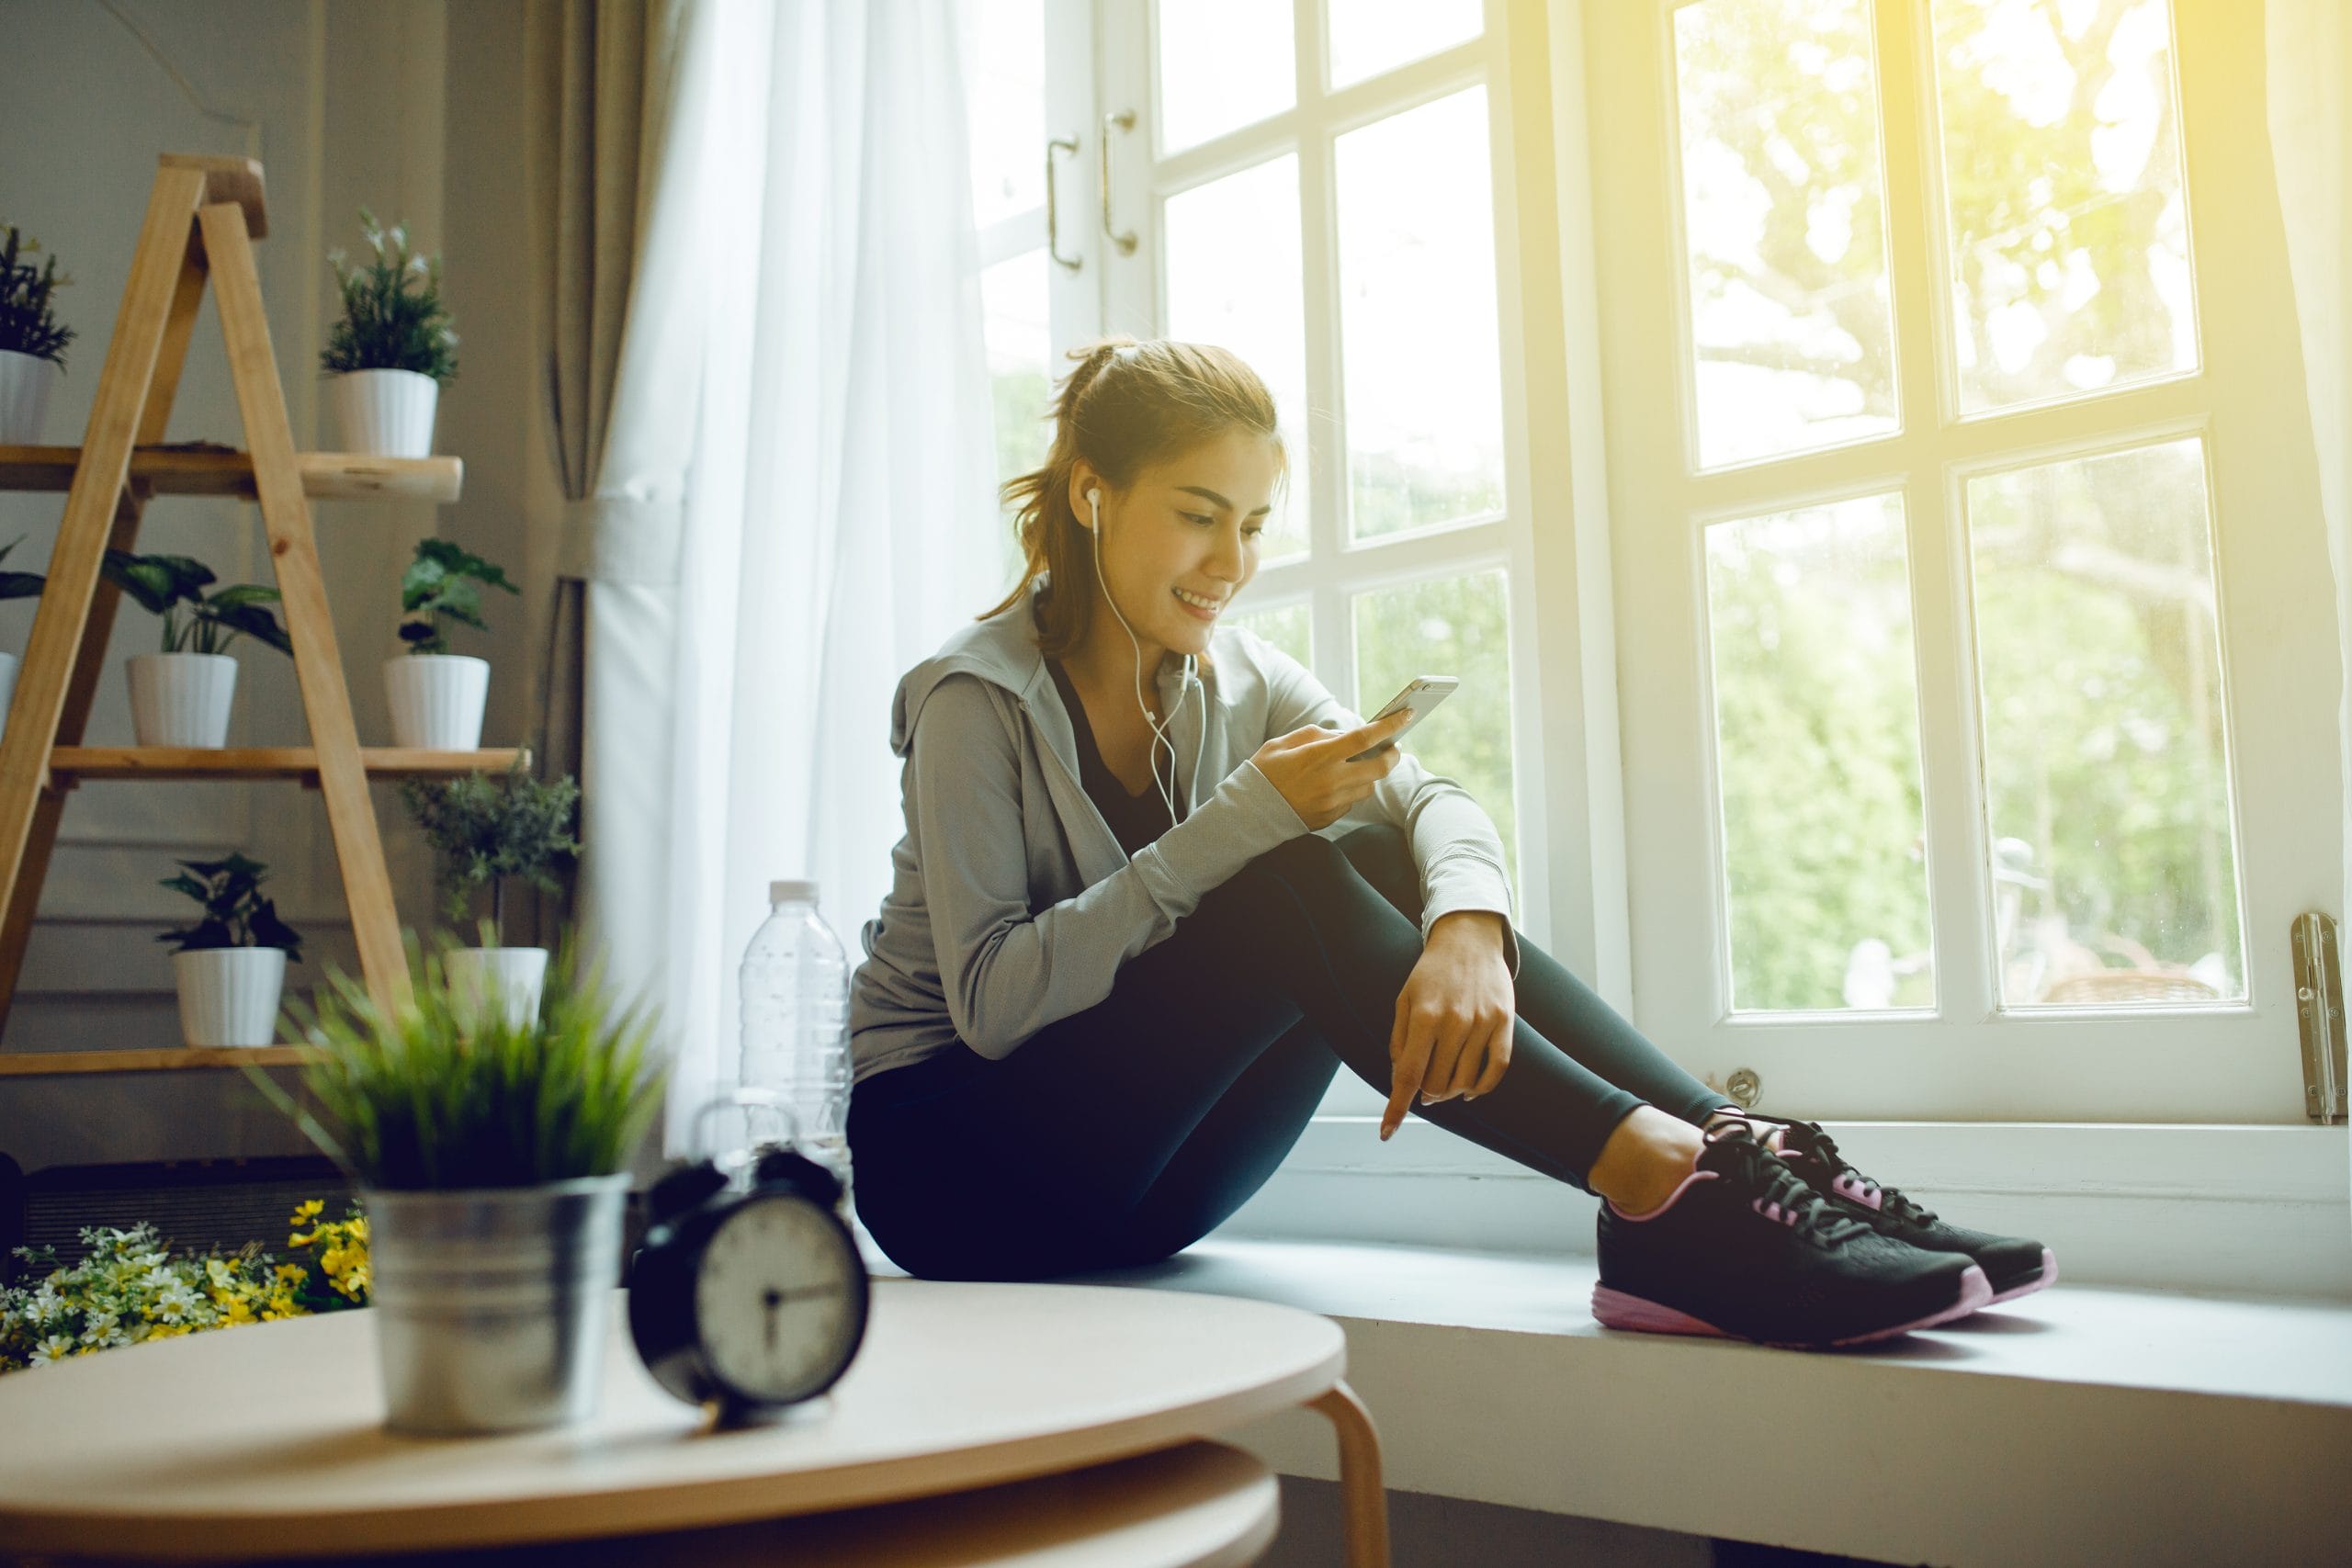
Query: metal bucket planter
{"type": "Point", "coordinates": [492, 1306]}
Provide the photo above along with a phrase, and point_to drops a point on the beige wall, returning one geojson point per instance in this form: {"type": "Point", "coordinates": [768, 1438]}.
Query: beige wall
{"type": "Point", "coordinates": [411, 108]}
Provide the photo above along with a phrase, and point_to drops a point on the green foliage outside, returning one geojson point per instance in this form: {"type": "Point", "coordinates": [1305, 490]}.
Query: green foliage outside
{"type": "Point", "coordinates": [235, 913]}
{"type": "Point", "coordinates": [28, 322]}
{"type": "Point", "coordinates": [392, 315]}
{"type": "Point", "coordinates": [486, 831]}
{"type": "Point", "coordinates": [160, 584]}
{"type": "Point", "coordinates": [444, 583]}
{"type": "Point", "coordinates": [443, 1094]}
{"type": "Point", "coordinates": [1448, 626]}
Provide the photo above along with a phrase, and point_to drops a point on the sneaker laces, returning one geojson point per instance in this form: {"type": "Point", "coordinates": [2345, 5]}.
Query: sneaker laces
{"type": "Point", "coordinates": [1891, 1200]}
{"type": "Point", "coordinates": [1767, 1176]}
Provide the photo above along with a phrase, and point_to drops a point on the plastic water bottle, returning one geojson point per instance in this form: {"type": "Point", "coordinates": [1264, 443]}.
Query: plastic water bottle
{"type": "Point", "coordinates": [795, 987]}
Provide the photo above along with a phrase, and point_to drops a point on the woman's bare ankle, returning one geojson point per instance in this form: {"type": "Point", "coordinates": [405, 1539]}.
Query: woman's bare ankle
{"type": "Point", "coordinates": [1644, 1159]}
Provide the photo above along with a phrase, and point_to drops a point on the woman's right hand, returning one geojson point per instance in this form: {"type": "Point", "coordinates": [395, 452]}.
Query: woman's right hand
{"type": "Point", "coordinates": [1310, 766]}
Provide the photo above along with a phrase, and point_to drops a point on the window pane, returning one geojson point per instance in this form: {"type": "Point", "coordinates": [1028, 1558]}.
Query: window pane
{"type": "Point", "coordinates": [2062, 185]}
{"type": "Point", "coordinates": [1447, 625]}
{"type": "Point", "coordinates": [1008, 107]}
{"type": "Point", "coordinates": [1234, 279]}
{"type": "Point", "coordinates": [1372, 36]}
{"type": "Point", "coordinates": [2105, 758]}
{"type": "Point", "coordinates": [1817, 752]}
{"type": "Point", "coordinates": [1287, 626]}
{"type": "Point", "coordinates": [1423, 374]}
{"type": "Point", "coordinates": [1016, 317]}
{"type": "Point", "coordinates": [1784, 213]}
{"type": "Point", "coordinates": [1223, 64]}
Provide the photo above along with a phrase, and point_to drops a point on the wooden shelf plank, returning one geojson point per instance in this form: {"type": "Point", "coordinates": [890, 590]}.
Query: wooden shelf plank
{"type": "Point", "coordinates": [42, 1064]}
{"type": "Point", "coordinates": [165, 470]}
{"type": "Point", "coordinates": [69, 763]}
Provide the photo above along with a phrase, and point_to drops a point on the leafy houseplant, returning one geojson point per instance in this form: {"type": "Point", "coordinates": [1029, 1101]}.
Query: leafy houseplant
{"type": "Point", "coordinates": [181, 697]}
{"type": "Point", "coordinates": [436, 695]}
{"type": "Point", "coordinates": [231, 965]}
{"type": "Point", "coordinates": [32, 342]}
{"type": "Point", "coordinates": [487, 830]}
{"type": "Point", "coordinates": [392, 350]}
{"type": "Point", "coordinates": [463, 1131]}
{"type": "Point", "coordinates": [15, 585]}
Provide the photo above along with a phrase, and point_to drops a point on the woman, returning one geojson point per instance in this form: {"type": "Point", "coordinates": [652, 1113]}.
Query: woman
{"type": "Point", "coordinates": [1158, 886]}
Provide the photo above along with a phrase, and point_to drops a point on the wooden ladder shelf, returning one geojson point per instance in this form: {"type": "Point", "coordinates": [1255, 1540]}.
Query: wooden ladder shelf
{"type": "Point", "coordinates": [202, 219]}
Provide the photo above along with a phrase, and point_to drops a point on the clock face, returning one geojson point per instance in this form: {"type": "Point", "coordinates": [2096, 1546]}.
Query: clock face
{"type": "Point", "coordinates": [777, 1299]}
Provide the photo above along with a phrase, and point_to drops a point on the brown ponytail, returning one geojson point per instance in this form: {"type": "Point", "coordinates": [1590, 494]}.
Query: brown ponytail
{"type": "Point", "coordinates": [1126, 406]}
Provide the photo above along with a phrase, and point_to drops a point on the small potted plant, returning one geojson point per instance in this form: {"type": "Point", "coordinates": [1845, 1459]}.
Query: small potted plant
{"type": "Point", "coordinates": [14, 586]}
{"type": "Point", "coordinates": [181, 697]}
{"type": "Point", "coordinates": [391, 351]}
{"type": "Point", "coordinates": [231, 965]}
{"type": "Point", "coordinates": [32, 344]}
{"type": "Point", "coordinates": [487, 830]}
{"type": "Point", "coordinates": [492, 1154]}
{"type": "Point", "coordinates": [436, 696]}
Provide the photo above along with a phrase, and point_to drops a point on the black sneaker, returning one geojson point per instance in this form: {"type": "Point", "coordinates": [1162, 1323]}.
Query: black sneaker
{"type": "Point", "coordinates": [1743, 1249]}
{"type": "Point", "coordinates": [2014, 1265]}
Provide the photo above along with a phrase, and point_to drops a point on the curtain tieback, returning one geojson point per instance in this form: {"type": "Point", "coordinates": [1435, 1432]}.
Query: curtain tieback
{"type": "Point", "coordinates": [621, 540]}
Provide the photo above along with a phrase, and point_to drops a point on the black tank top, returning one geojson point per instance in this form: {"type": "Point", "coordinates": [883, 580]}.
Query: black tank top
{"type": "Point", "coordinates": [1135, 819]}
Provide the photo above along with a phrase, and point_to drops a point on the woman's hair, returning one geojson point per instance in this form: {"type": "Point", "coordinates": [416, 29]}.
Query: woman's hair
{"type": "Point", "coordinates": [1126, 407]}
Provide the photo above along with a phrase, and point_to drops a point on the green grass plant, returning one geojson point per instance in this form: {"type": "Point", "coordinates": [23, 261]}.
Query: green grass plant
{"type": "Point", "coordinates": [448, 1093]}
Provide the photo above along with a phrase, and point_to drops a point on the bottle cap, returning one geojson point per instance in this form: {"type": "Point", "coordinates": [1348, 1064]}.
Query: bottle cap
{"type": "Point", "coordinates": [804, 892]}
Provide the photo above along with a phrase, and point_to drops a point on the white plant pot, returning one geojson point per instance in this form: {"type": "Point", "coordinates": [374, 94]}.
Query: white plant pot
{"type": "Point", "coordinates": [386, 414]}
{"type": "Point", "coordinates": [513, 975]}
{"type": "Point", "coordinates": [436, 700]}
{"type": "Point", "coordinates": [182, 699]}
{"type": "Point", "coordinates": [25, 383]}
{"type": "Point", "coordinates": [7, 682]}
{"type": "Point", "coordinates": [229, 995]}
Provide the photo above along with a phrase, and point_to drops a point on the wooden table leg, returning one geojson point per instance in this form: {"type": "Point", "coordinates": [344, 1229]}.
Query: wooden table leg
{"type": "Point", "coordinates": [1364, 1502]}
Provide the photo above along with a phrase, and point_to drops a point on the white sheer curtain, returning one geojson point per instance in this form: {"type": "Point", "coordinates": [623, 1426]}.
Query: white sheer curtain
{"type": "Point", "coordinates": [841, 519]}
{"type": "Point", "coordinates": [2309, 45]}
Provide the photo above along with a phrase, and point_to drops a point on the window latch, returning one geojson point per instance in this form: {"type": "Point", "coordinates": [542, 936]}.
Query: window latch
{"type": "Point", "coordinates": [2319, 1014]}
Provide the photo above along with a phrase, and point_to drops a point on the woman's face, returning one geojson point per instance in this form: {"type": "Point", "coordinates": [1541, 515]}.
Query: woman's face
{"type": "Point", "coordinates": [1182, 540]}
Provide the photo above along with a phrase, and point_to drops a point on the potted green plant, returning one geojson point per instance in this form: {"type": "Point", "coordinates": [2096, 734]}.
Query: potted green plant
{"type": "Point", "coordinates": [491, 1154]}
{"type": "Point", "coordinates": [391, 351]}
{"type": "Point", "coordinates": [181, 696]}
{"type": "Point", "coordinates": [436, 695]}
{"type": "Point", "coordinates": [32, 343]}
{"type": "Point", "coordinates": [15, 585]}
{"type": "Point", "coordinates": [230, 965]}
{"type": "Point", "coordinates": [487, 830]}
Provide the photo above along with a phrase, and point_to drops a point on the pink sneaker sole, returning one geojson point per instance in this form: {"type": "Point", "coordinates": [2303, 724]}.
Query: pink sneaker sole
{"type": "Point", "coordinates": [1615, 1309]}
{"type": "Point", "coordinates": [2049, 1276]}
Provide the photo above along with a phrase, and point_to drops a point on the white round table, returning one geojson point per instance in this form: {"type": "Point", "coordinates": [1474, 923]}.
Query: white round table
{"type": "Point", "coordinates": [266, 1442]}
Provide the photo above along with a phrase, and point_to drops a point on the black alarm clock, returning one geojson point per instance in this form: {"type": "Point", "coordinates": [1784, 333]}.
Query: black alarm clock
{"type": "Point", "coordinates": [751, 1298]}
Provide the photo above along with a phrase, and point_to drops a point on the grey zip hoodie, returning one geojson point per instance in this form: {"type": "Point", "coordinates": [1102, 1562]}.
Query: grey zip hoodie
{"type": "Point", "coordinates": [1013, 903]}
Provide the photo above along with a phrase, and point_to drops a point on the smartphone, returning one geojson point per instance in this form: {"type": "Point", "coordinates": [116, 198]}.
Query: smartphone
{"type": "Point", "coordinates": [1421, 693]}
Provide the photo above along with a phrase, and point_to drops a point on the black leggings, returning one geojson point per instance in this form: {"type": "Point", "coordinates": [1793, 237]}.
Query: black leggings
{"type": "Point", "coordinates": [1122, 1135]}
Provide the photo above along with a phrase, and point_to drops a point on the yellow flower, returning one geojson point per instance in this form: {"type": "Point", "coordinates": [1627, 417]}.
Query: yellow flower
{"type": "Point", "coordinates": [307, 1211]}
{"type": "Point", "coordinates": [292, 1271]}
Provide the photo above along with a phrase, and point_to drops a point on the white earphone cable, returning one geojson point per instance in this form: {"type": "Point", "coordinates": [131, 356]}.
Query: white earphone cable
{"type": "Point", "coordinates": [1158, 737]}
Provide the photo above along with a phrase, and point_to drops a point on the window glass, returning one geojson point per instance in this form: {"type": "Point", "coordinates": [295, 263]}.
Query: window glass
{"type": "Point", "coordinates": [1422, 382]}
{"type": "Point", "coordinates": [1368, 37]}
{"type": "Point", "coordinates": [1223, 64]}
{"type": "Point", "coordinates": [1287, 626]}
{"type": "Point", "coordinates": [1784, 227]}
{"type": "Point", "coordinates": [2106, 755]}
{"type": "Point", "coordinates": [1007, 106]}
{"type": "Point", "coordinates": [1016, 317]}
{"type": "Point", "coordinates": [1447, 625]}
{"type": "Point", "coordinates": [2062, 197]}
{"type": "Point", "coordinates": [1817, 758]}
{"type": "Point", "coordinates": [1234, 279]}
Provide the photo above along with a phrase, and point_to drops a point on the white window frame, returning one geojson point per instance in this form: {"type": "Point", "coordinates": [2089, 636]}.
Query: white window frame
{"type": "Point", "coordinates": [1968, 1060]}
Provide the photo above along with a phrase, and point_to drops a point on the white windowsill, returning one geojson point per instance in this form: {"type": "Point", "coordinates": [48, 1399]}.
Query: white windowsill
{"type": "Point", "coordinates": [2077, 1425]}
{"type": "Point", "coordinates": [2254, 1209]}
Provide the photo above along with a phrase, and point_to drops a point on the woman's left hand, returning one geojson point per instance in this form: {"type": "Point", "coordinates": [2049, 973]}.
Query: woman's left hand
{"type": "Point", "coordinates": [1453, 1029]}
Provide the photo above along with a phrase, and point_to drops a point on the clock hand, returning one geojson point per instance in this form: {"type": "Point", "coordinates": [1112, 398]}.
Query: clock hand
{"type": "Point", "coordinates": [775, 1300]}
